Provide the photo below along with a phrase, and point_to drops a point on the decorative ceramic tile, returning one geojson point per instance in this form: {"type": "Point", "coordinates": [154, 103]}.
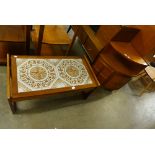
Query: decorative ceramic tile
{"type": "Point", "coordinates": [41, 74]}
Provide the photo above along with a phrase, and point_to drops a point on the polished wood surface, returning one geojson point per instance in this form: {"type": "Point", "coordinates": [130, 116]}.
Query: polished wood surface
{"type": "Point", "coordinates": [9, 88]}
{"type": "Point", "coordinates": [13, 40]}
{"type": "Point", "coordinates": [102, 70]}
{"type": "Point", "coordinates": [109, 75]}
{"type": "Point", "coordinates": [144, 42]}
{"type": "Point", "coordinates": [52, 50]}
{"type": "Point", "coordinates": [107, 32]}
{"type": "Point", "coordinates": [46, 38]}
{"type": "Point", "coordinates": [40, 38]}
{"type": "Point", "coordinates": [95, 42]}
{"type": "Point", "coordinates": [28, 38]}
{"type": "Point", "coordinates": [47, 49]}
{"type": "Point", "coordinates": [8, 77]}
{"type": "Point", "coordinates": [121, 65]}
{"type": "Point", "coordinates": [53, 34]}
{"type": "Point", "coordinates": [92, 37]}
{"type": "Point", "coordinates": [125, 34]}
{"type": "Point", "coordinates": [89, 40]}
{"type": "Point", "coordinates": [13, 33]}
{"type": "Point", "coordinates": [128, 51]}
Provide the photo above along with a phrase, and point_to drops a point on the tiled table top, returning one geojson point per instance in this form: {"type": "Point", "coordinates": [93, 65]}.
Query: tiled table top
{"type": "Point", "coordinates": [42, 74]}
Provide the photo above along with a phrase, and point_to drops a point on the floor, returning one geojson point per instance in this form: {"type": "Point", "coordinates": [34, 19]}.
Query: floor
{"type": "Point", "coordinates": [102, 110]}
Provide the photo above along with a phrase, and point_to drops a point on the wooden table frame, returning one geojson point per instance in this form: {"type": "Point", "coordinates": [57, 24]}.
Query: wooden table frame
{"type": "Point", "coordinates": [12, 90]}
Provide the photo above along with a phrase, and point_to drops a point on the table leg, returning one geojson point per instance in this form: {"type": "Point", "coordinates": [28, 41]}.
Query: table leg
{"type": "Point", "coordinates": [86, 94]}
{"type": "Point", "coordinates": [69, 28]}
{"type": "Point", "coordinates": [72, 42]}
{"type": "Point", "coordinates": [13, 106]}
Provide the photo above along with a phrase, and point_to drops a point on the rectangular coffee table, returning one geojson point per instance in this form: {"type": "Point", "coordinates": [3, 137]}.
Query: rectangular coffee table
{"type": "Point", "coordinates": [31, 77]}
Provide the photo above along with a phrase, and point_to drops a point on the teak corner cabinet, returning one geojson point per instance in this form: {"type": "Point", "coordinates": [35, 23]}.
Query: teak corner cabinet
{"type": "Point", "coordinates": [117, 53]}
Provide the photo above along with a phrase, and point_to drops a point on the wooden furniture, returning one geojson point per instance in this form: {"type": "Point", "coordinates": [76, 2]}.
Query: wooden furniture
{"type": "Point", "coordinates": [144, 42]}
{"type": "Point", "coordinates": [89, 40]}
{"type": "Point", "coordinates": [114, 58]}
{"type": "Point", "coordinates": [31, 77]}
{"type": "Point", "coordinates": [135, 44]}
{"type": "Point", "coordinates": [141, 38]}
{"type": "Point", "coordinates": [13, 40]}
{"type": "Point", "coordinates": [94, 42]}
{"type": "Point", "coordinates": [115, 67]}
{"type": "Point", "coordinates": [50, 39]}
{"type": "Point", "coordinates": [144, 82]}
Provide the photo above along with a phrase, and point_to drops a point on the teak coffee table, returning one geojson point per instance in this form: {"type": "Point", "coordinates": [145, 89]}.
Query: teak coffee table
{"type": "Point", "coordinates": [31, 77]}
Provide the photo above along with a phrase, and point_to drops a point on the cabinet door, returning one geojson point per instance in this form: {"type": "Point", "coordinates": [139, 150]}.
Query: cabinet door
{"type": "Point", "coordinates": [102, 70]}
{"type": "Point", "coordinates": [98, 65]}
{"type": "Point", "coordinates": [92, 51]}
{"type": "Point", "coordinates": [104, 76]}
{"type": "Point", "coordinates": [82, 35]}
{"type": "Point", "coordinates": [116, 81]}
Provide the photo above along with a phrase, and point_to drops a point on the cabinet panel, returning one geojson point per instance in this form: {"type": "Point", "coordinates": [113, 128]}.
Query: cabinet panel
{"type": "Point", "coordinates": [91, 49]}
{"type": "Point", "coordinates": [116, 81]}
{"type": "Point", "coordinates": [75, 27]}
{"type": "Point", "coordinates": [102, 70]}
{"type": "Point", "coordinates": [11, 47]}
{"type": "Point", "coordinates": [107, 32]}
{"type": "Point", "coordinates": [82, 35]}
{"type": "Point", "coordinates": [98, 65]}
{"type": "Point", "coordinates": [104, 76]}
{"type": "Point", "coordinates": [144, 42]}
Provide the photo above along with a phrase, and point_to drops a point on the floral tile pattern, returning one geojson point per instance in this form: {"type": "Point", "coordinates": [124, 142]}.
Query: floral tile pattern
{"type": "Point", "coordinates": [42, 74]}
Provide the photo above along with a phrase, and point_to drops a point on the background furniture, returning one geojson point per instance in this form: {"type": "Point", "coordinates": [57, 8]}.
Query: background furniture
{"type": "Point", "coordinates": [115, 67]}
{"type": "Point", "coordinates": [14, 39]}
{"type": "Point", "coordinates": [89, 41]}
{"type": "Point", "coordinates": [50, 39]}
{"type": "Point", "coordinates": [117, 53]}
{"type": "Point", "coordinates": [30, 77]}
{"type": "Point", "coordinates": [144, 82]}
